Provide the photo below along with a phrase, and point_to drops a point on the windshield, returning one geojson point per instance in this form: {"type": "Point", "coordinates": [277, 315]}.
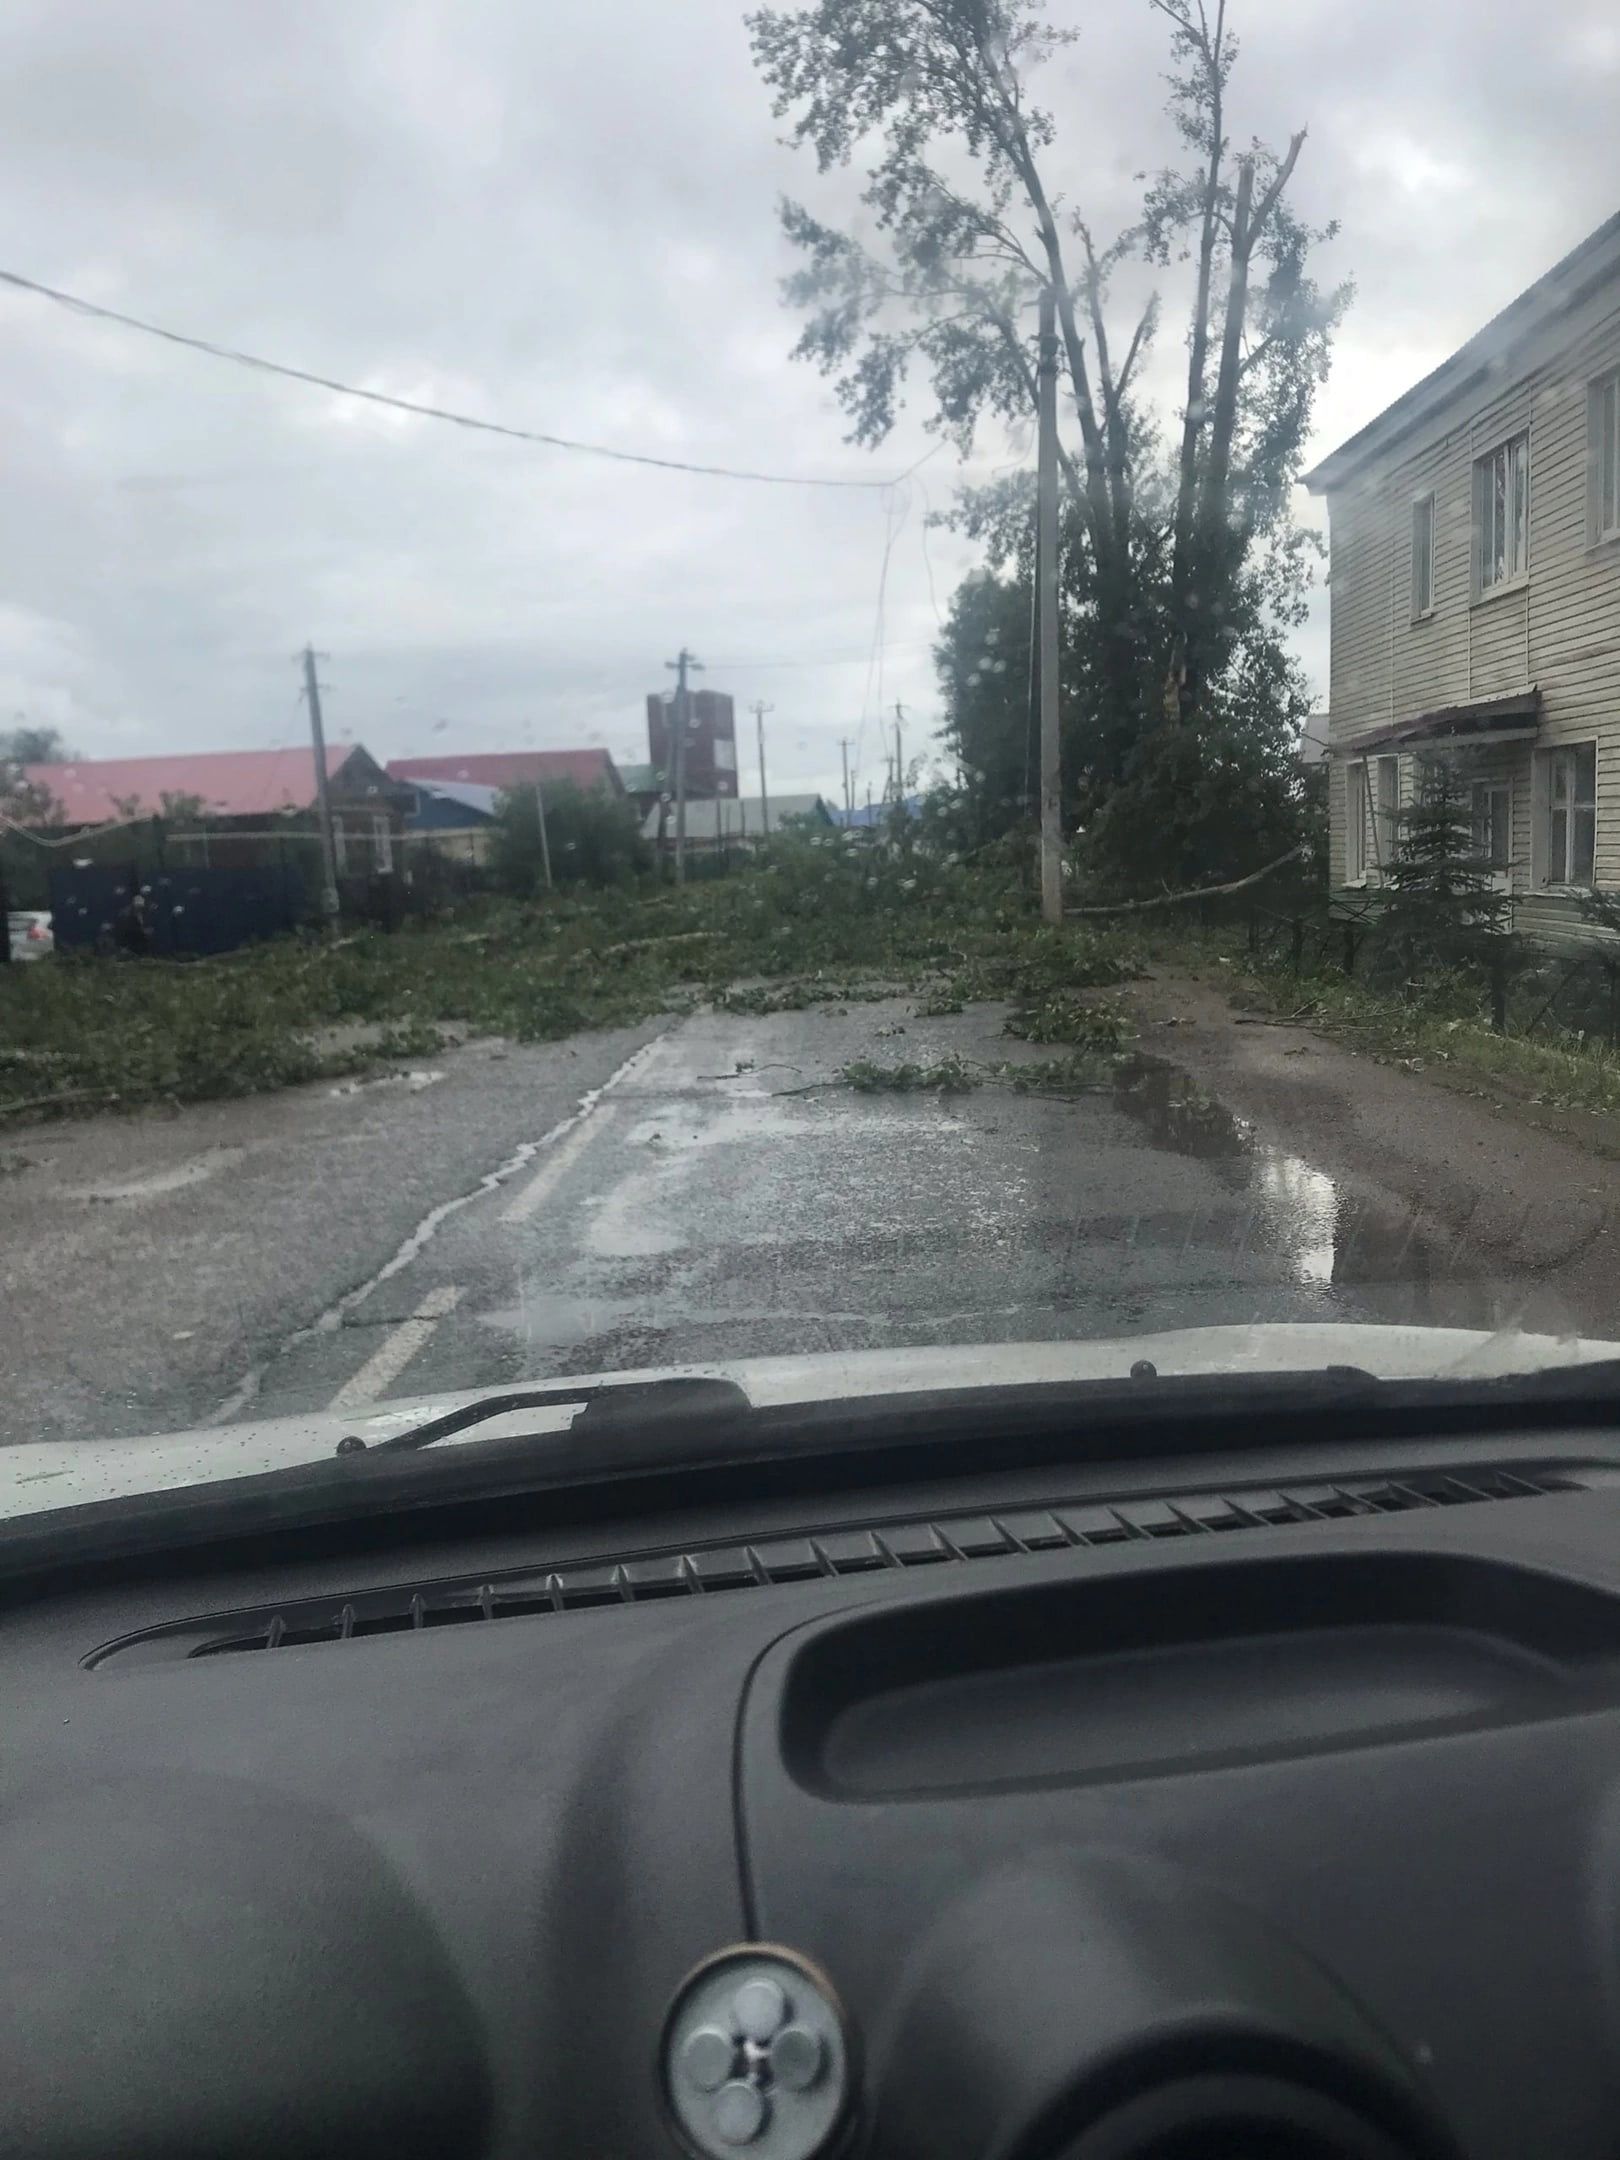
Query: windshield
{"type": "Point", "coordinates": [919, 684]}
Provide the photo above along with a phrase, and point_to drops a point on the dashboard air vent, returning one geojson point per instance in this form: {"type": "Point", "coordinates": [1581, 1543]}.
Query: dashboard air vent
{"type": "Point", "coordinates": [707, 1570]}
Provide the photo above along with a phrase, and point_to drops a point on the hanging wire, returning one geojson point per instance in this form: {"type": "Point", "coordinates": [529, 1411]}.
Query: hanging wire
{"type": "Point", "coordinates": [421, 411]}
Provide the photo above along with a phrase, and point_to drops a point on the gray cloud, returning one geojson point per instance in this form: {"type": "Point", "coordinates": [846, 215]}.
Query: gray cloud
{"type": "Point", "coordinates": [566, 218]}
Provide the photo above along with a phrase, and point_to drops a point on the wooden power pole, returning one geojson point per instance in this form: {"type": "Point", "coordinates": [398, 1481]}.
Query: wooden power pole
{"type": "Point", "coordinates": [759, 709]}
{"type": "Point", "coordinates": [1047, 574]}
{"type": "Point", "coordinates": [323, 800]}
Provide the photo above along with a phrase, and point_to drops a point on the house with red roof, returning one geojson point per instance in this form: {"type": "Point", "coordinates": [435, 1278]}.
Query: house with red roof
{"type": "Point", "coordinates": [219, 806]}
{"type": "Point", "coordinates": [230, 793]}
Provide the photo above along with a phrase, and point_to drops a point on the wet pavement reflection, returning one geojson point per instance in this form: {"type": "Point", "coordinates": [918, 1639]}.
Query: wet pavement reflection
{"type": "Point", "coordinates": [1329, 1237]}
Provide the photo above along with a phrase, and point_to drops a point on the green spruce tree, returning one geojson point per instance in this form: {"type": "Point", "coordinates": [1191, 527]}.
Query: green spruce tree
{"type": "Point", "coordinates": [1442, 906]}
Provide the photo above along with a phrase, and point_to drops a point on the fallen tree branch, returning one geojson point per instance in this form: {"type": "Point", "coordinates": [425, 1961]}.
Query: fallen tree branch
{"type": "Point", "coordinates": [1192, 892]}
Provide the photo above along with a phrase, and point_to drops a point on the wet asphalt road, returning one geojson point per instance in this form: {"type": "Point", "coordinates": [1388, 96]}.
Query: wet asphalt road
{"type": "Point", "coordinates": [709, 1189]}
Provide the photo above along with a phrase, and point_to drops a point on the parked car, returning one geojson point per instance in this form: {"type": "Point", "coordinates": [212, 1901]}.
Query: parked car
{"type": "Point", "coordinates": [29, 930]}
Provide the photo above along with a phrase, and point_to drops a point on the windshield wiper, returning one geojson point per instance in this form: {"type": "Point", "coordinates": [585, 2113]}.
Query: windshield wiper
{"type": "Point", "coordinates": [618, 1403]}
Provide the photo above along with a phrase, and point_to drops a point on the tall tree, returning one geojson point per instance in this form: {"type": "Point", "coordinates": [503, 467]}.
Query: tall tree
{"type": "Point", "coordinates": [1185, 553]}
{"type": "Point", "coordinates": [27, 744]}
{"type": "Point", "coordinates": [985, 677]}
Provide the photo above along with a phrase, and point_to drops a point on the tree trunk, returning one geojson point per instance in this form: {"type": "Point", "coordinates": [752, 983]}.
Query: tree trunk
{"type": "Point", "coordinates": [1223, 419]}
{"type": "Point", "coordinates": [1193, 419]}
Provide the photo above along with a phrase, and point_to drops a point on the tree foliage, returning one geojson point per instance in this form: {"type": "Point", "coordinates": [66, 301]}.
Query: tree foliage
{"type": "Point", "coordinates": [1181, 570]}
{"type": "Point", "coordinates": [984, 670]}
{"type": "Point", "coordinates": [26, 744]}
{"type": "Point", "coordinates": [24, 801]}
{"type": "Point", "coordinates": [594, 839]}
{"type": "Point", "coordinates": [1441, 904]}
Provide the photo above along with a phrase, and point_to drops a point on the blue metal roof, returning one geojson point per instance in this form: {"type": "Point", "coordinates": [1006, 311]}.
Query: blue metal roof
{"type": "Point", "coordinates": [464, 794]}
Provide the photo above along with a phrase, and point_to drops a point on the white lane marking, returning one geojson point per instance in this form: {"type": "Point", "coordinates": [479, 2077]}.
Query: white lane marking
{"type": "Point", "coordinates": [396, 1349]}
{"type": "Point", "coordinates": [248, 1389]}
{"type": "Point", "coordinates": [551, 1170]}
{"type": "Point", "coordinates": [428, 1227]}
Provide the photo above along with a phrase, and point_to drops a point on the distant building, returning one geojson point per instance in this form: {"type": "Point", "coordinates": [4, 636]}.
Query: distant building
{"type": "Point", "coordinates": [644, 784]}
{"type": "Point", "coordinates": [869, 815]}
{"type": "Point", "coordinates": [715, 821]}
{"type": "Point", "coordinates": [212, 799]}
{"type": "Point", "coordinates": [201, 854]}
{"type": "Point", "coordinates": [711, 741]}
{"type": "Point", "coordinates": [454, 816]}
{"type": "Point", "coordinates": [586, 769]}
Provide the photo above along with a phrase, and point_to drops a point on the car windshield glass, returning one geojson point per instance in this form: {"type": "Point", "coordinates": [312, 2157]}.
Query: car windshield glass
{"type": "Point", "coordinates": [844, 695]}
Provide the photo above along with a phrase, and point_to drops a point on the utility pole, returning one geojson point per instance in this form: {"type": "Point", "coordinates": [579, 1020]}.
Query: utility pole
{"type": "Point", "coordinates": [1047, 496]}
{"type": "Point", "coordinates": [759, 709]}
{"type": "Point", "coordinates": [545, 842]}
{"type": "Point", "coordinates": [323, 801]}
{"type": "Point", "coordinates": [683, 667]}
{"type": "Point", "coordinates": [849, 800]}
{"type": "Point", "coordinates": [899, 759]}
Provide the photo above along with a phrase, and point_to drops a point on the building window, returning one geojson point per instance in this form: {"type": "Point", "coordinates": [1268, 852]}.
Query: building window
{"type": "Point", "coordinates": [1422, 557]}
{"type": "Point", "coordinates": [1372, 798]}
{"type": "Point", "coordinates": [1502, 514]}
{"type": "Point", "coordinates": [382, 839]}
{"type": "Point", "coordinates": [1567, 784]}
{"type": "Point", "coordinates": [1493, 824]}
{"type": "Point", "coordinates": [1604, 423]}
{"type": "Point", "coordinates": [1386, 810]}
{"type": "Point", "coordinates": [1355, 824]}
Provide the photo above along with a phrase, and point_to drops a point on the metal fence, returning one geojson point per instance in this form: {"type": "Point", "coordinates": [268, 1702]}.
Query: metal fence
{"type": "Point", "coordinates": [1523, 988]}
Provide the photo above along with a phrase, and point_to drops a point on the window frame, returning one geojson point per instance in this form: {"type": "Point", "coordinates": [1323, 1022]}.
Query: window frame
{"type": "Point", "coordinates": [1502, 871]}
{"type": "Point", "coordinates": [1355, 821]}
{"type": "Point", "coordinates": [1422, 591]}
{"type": "Point", "coordinates": [1603, 391]}
{"type": "Point", "coordinates": [1483, 491]}
{"type": "Point", "coordinates": [1371, 842]}
{"type": "Point", "coordinates": [1555, 873]}
{"type": "Point", "coordinates": [1386, 816]}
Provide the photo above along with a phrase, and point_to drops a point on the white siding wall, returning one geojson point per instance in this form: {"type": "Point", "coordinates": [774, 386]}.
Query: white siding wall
{"type": "Point", "coordinates": [1559, 630]}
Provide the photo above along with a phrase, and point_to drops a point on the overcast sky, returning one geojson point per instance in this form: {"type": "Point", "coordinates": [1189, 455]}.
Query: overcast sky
{"type": "Point", "coordinates": [564, 217]}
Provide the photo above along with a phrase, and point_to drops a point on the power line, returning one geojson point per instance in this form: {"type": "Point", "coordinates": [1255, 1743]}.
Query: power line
{"type": "Point", "coordinates": [92, 308]}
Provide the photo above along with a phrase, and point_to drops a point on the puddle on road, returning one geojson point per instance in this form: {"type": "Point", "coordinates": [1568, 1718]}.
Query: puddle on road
{"type": "Point", "coordinates": [1164, 1102]}
{"type": "Point", "coordinates": [1328, 1237]}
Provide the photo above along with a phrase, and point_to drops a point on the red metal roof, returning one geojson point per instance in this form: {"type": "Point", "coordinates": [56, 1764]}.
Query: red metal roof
{"type": "Point", "coordinates": [231, 783]}
{"type": "Point", "coordinates": [514, 768]}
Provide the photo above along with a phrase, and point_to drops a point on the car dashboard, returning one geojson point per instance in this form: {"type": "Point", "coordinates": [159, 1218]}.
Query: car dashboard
{"type": "Point", "coordinates": [1261, 1802]}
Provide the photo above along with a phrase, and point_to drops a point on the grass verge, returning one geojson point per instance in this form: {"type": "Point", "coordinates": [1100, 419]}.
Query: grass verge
{"type": "Point", "coordinates": [1435, 1028]}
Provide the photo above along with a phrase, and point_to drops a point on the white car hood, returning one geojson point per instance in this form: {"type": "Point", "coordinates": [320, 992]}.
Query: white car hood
{"type": "Point", "coordinates": [57, 1474]}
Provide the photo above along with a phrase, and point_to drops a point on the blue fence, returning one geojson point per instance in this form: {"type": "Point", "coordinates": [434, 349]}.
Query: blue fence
{"type": "Point", "coordinates": [187, 911]}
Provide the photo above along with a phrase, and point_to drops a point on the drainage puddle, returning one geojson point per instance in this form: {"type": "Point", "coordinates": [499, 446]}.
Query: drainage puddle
{"type": "Point", "coordinates": [1323, 1235]}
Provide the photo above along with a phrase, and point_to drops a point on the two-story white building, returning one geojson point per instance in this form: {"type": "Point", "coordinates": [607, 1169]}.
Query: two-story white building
{"type": "Point", "coordinates": [1475, 596]}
